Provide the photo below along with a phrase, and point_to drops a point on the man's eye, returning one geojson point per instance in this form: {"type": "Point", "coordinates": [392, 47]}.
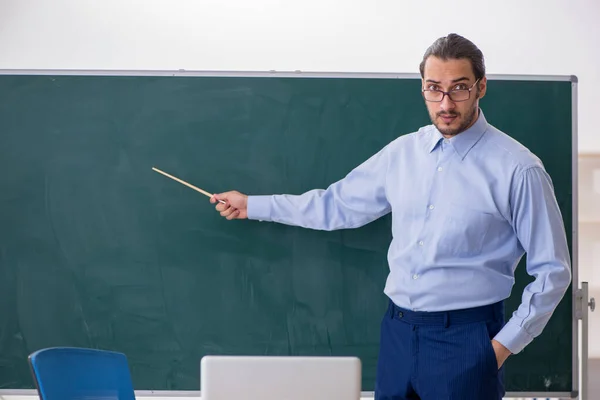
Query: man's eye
{"type": "Point", "coordinates": [460, 87]}
{"type": "Point", "coordinates": [432, 87]}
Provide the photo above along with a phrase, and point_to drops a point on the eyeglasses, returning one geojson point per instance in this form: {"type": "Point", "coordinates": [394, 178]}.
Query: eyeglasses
{"type": "Point", "coordinates": [455, 95]}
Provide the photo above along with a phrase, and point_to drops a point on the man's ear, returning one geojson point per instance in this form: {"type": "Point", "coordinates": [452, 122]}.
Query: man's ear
{"type": "Point", "coordinates": [481, 87]}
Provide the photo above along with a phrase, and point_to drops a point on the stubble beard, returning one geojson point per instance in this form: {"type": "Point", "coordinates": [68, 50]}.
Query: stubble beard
{"type": "Point", "coordinates": [446, 130]}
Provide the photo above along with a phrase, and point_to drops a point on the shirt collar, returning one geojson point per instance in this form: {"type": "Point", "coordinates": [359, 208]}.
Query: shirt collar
{"type": "Point", "coordinates": [464, 141]}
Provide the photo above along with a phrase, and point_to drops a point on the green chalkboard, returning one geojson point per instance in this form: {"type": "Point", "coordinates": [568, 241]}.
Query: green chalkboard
{"type": "Point", "coordinates": [97, 250]}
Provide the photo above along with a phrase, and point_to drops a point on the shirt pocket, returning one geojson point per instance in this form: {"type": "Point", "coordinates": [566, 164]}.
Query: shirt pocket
{"type": "Point", "coordinates": [464, 230]}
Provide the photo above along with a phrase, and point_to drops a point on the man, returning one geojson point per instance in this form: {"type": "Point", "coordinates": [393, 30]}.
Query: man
{"type": "Point", "coordinates": [467, 201]}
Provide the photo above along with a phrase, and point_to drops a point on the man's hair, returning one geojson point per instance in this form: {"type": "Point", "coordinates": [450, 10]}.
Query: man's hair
{"type": "Point", "coordinates": [456, 47]}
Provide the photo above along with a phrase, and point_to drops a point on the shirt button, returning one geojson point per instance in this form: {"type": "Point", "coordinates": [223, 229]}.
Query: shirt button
{"type": "Point", "coordinates": [440, 168]}
{"type": "Point", "coordinates": [431, 206]}
{"type": "Point", "coordinates": [421, 243]}
{"type": "Point", "coordinates": [415, 276]}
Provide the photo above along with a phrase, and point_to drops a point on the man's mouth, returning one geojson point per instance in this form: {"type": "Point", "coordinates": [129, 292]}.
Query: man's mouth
{"type": "Point", "coordinates": [448, 118]}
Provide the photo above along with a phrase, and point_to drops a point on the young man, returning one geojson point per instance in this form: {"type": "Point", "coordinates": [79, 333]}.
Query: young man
{"type": "Point", "coordinates": [467, 201]}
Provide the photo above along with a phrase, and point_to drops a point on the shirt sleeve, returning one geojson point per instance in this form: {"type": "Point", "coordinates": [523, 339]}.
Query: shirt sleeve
{"type": "Point", "coordinates": [538, 224]}
{"type": "Point", "coordinates": [351, 202]}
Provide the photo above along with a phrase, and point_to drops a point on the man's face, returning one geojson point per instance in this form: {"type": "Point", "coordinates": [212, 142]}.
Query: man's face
{"type": "Point", "coordinates": [452, 117]}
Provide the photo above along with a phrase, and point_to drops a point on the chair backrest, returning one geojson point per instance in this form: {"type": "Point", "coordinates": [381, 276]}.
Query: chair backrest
{"type": "Point", "coordinates": [67, 373]}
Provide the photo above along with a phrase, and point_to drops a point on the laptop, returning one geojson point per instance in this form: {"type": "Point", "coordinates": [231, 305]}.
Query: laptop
{"type": "Point", "coordinates": [280, 378]}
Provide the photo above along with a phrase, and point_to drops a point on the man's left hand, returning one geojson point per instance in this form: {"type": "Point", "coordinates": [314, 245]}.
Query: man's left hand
{"type": "Point", "coordinates": [502, 352]}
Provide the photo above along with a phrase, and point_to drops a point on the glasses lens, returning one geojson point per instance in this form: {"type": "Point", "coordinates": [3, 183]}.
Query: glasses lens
{"type": "Point", "coordinates": [433, 95]}
{"type": "Point", "coordinates": [459, 95]}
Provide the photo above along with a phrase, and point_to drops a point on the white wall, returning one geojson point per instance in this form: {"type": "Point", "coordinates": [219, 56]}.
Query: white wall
{"type": "Point", "coordinates": [516, 36]}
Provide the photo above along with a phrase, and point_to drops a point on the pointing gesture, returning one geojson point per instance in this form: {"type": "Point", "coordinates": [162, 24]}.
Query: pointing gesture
{"type": "Point", "coordinates": [235, 206]}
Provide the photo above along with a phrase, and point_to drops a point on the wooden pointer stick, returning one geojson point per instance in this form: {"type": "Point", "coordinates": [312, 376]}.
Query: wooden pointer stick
{"type": "Point", "coordinates": [204, 192]}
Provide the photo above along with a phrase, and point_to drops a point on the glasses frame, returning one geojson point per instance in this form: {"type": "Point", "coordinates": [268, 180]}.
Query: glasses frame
{"type": "Point", "coordinates": [449, 94]}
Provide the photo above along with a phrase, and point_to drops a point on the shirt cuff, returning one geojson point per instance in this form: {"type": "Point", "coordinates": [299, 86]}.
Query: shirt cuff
{"type": "Point", "coordinates": [259, 208]}
{"type": "Point", "coordinates": [513, 337]}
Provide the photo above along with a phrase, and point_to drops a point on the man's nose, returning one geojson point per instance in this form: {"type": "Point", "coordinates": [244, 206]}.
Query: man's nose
{"type": "Point", "coordinates": [447, 104]}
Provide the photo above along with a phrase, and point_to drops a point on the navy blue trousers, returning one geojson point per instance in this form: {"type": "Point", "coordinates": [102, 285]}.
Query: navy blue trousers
{"type": "Point", "coordinates": [440, 355]}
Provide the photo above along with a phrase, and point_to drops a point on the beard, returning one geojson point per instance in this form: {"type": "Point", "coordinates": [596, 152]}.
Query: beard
{"type": "Point", "coordinates": [453, 131]}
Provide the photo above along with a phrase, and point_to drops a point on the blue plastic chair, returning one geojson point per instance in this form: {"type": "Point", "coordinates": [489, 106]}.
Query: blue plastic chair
{"type": "Point", "coordinates": [67, 373]}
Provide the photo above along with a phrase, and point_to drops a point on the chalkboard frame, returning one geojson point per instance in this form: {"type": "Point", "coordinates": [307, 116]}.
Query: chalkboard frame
{"type": "Point", "coordinates": [374, 75]}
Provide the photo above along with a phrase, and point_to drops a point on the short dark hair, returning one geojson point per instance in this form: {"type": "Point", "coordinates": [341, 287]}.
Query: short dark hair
{"type": "Point", "coordinates": [456, 47]}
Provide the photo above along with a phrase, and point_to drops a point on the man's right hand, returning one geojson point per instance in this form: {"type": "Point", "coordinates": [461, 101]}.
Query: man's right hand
{"type": "Point", "coordinates": [236, 206]}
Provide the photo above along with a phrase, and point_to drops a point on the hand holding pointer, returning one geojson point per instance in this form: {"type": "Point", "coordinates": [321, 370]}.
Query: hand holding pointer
{"type": "Point", "coordinates": [232, 205]}
{"type": "Point", "coordinates": [235, 207]}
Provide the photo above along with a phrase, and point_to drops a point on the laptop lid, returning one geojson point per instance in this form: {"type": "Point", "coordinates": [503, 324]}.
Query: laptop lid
{"type": "Point", "coordinates": [280, 378]}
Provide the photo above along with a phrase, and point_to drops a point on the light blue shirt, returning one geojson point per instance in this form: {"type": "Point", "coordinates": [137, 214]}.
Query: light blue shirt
{"type": "Point", "coordinates": [464, 212]}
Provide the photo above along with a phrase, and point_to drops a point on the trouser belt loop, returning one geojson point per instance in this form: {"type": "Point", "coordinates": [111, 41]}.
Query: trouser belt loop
{"type": "Point", "coordinates": [498, 311]}
{"type": "Point", "coordinates": [446, 320]}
